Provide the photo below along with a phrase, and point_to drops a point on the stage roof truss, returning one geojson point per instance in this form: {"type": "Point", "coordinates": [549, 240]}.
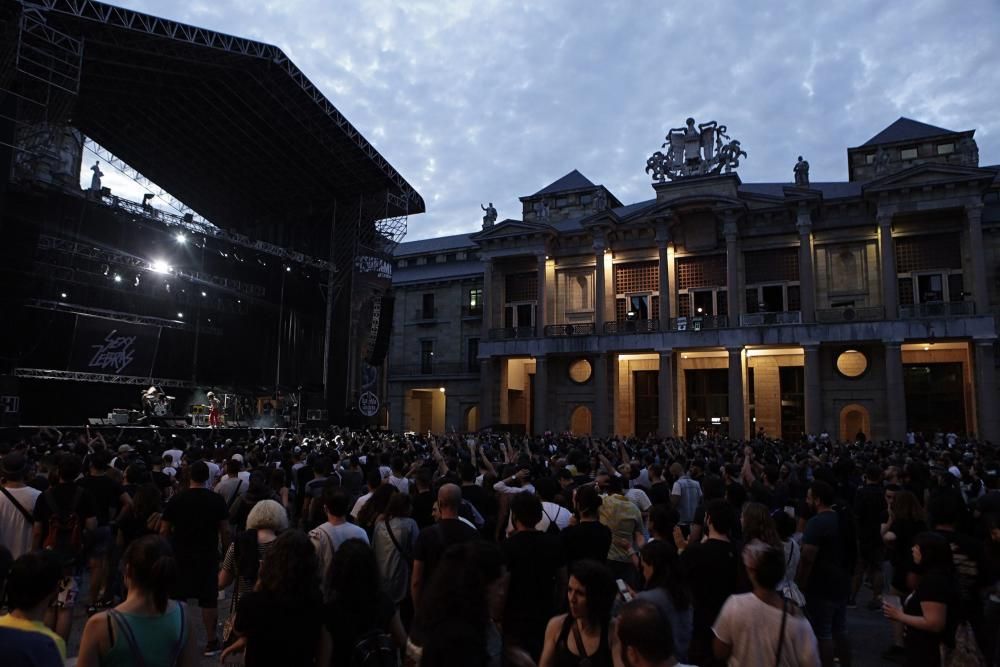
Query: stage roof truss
{"type": "Point", "coordinates": [106, 378]}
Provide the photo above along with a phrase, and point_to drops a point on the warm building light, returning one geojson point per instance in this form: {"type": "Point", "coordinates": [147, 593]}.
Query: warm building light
{"type": "Point", "coordinates": [441, 389]}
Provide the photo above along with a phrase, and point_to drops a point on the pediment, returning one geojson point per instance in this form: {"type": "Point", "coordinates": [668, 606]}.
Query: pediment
{"type": "Point", "coordinates": [922, 175]}
{"type": "Point", "coordinates": [509, 228]}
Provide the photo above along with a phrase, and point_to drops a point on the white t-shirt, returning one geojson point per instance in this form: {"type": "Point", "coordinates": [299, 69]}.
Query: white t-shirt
{"type": "Point", "coordinates": [401, 483]}
{"type": "Point", "coordinates": [639, 497]}
{"type": "Point", "coordinates": [751, 627]}
{"type": "Point", "coordinates": [15, 531]}
{"type": "Point", "coordinates": [359, 504]}
{"type": "Point", "coordinates": [176, 455]}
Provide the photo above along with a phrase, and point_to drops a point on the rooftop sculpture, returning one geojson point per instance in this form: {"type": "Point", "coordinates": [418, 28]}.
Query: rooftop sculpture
{"type": "Point", "coordinates": [695, 151]}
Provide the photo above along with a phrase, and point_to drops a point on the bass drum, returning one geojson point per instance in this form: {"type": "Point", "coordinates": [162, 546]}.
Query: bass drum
{"type": "Point", "coordinates": [161, 408]}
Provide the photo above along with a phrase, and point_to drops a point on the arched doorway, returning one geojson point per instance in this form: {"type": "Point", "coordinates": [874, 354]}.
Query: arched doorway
{"type": "Point", "coordinates": [854, 418]}
{"type": "Point", "coordinates": [580, 421]}
{"type": "Point", "coordinates": [472, 419]}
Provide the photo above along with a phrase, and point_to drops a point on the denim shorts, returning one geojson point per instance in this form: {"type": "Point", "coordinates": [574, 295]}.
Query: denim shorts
{"type": "Point", "coordinates": [828, 618]}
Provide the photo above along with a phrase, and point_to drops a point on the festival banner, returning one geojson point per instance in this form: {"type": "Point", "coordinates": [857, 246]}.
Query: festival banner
{"type": "Point", "coordinates": [111, 347]}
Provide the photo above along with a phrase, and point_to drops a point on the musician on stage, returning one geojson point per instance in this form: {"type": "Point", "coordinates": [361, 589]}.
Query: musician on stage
{"type": "Point", "coordinates": [214, 410]}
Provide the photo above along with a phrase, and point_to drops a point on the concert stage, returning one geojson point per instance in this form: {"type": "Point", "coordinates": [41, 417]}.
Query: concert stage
{"type": "Point", "coordinates": [264, 272]}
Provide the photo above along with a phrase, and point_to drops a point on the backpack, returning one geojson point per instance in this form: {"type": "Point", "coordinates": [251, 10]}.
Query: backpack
{"type": "Point", "coordinates": [65, 532]}
{"type": "Point", "coordinates": [375, 649]}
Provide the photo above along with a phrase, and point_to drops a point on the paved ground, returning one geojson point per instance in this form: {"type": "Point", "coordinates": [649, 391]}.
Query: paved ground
{"type": "Point", "coordinates": [868, 629]}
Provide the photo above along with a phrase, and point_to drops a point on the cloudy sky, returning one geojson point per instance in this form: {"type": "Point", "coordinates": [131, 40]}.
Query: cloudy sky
{"type": "Point", "coordinates": [476, 101]}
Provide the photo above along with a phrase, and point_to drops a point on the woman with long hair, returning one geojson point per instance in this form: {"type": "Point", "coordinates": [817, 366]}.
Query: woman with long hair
{"type": "Point", "coordinates": [905, 521]}
{"type": "Point", "coordinates": [279, 486]}
{"type": "Point", "coordinates": [358, 605]}
{"type": "Point", "coordinates": [665, 587]}
{"type": "Point", "coordinates": [758, 525]}
{"type": "Point", "coordinates": [285, 603]}
{"type": "Point", "coordinates": [375, 507]}
{"type": "Point", "coordinates": [147, 628]}
{"type": "Point", "coordinates": [929, 612]}
{"type": "Point", "coordinates": [393, 541]}
{"type": "Point", "coordinates": [581, 636]}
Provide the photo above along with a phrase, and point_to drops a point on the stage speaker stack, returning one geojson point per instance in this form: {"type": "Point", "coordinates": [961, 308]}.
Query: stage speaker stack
{"type": "Point", "coordinates": [381, 346]}
{"type": "Point", "coordinates": [10, 401]}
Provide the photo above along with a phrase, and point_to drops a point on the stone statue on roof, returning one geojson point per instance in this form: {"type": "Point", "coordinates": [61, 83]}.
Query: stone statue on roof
{"type": "Point", "coordinates": [600, 200]}
{"type": "Point", "coordinates": [801, 171]}
{"type": "Point", "coordinates": [542, 210]}
{"type": "Point", "coordinates": [695, 150]}
{"type": "Point", "coordinates": [95, 181]}
{"type": "Point", "coordinates": [491, 215]}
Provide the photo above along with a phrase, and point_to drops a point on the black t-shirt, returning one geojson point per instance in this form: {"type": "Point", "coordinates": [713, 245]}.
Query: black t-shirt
{"type": "Point", "coordinates": [107, 494]}
{"type": "Point", "coordinates": [869, 503]}
{"type": "Point", "coordinates": [346, 625]}
{"type": "Point", "coordinates": [194, 515]}
{"type": "Point", "coordinates": [423, 507]}
{"type": "Point", "coordinates": [712, 569]}
{"type": "Point", "coordinates": [434, 540]}
{"type": "Point", "coordinates": [659, 493]}
{"type": "Point", "coordinates": [922, 647]}
{"type": "Point", "coordinates": [63, 495]}
{"type": "Point", "coordinates": [278, 633]}
{"type": "Point", "coordinates": [161, 480]}
{"type": "Point", "coordinates": [587, 539]}
{"type": "Point", "coordinates": [828, 579]}
{"type": "Point", "coordinates": [533, 560]}
{"type": "Point", "coordinates": [481, 499]}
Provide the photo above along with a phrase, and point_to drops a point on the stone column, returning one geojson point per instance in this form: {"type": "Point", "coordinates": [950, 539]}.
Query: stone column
{"type": "Point", "coordinates": [887, 258]}
{"type": "Point", "coordinates": [601, 402]}
{"type": "Point", "coordinates": [813, 389]}
{"type": "Point", "coordinates": [734, 296]}
{"type": "Point", "coordinates": [488, 385]}
{"type": "Point", "coordinates": [666, 393]}
{"type": "Point", "coordinates": [488, 299]}
{"type": "Point", "coordinates": [737, 427]}
{"type": "Point", "coordinates": [541, 309]}
{"type": "Point", "coordinates": [671, 273]}
{"type": "Point", "coordinates": [986, 391]}
{"type": "Point", "coordinates": [980, 291]}
{"type": "Point", "coordinates": [662, 243]}
{"type": "Point", "coordinates": [600, 302]}
{"type": "Point", "coordinates": [894, 392]}
{"type": "Point", "coordinates": [807, 288]}
{"type": "Point", "coordinates": [540, 397]}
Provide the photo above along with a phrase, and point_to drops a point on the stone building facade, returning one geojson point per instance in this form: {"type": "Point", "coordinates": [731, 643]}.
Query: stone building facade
{"type": "Point", "coordinates": [716, 305]}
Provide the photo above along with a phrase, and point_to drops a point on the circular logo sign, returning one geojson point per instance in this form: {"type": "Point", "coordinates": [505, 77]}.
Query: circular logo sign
{"type": "Point", "coordinates": [368, 404]}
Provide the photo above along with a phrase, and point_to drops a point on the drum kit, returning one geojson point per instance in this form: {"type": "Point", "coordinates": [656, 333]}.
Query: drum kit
{"type": "Point", "coordinates": [155, 403]}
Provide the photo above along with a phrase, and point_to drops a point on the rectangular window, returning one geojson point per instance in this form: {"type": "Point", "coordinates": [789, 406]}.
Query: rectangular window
{"type": "Point", "coordinates": [475, 299]}
{"type": "Point", "coordinates": [930, 288]}
{"type": "Point", "coordinates": [473, 359]}
{"type": "Point", "coordinates": [945, 149]}
{"type": "Point", "coordinates": [427, 357]}
{"type": "Point", "coordinates": [870, 158]}
{"type": "Point", "coordinates": [427, 311]}
{"type": "Point", "coordinates": [638, 308]}
{"type": "Point", "coordinates": [908, 154]}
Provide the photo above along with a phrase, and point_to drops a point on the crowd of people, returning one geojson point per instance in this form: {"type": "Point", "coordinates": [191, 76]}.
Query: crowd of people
{"type": "Point", "coordinates": [361, 548]}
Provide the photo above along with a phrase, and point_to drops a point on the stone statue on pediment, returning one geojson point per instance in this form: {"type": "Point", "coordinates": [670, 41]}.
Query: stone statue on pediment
{"type": "Point", "coordinates": [600, 200]}
{"type": "Point", "coordinates": [491, 215]}
{"type": "Point", "coordinates": [801, 171]}
{"type": "Point", "coordinates": [95, 181]}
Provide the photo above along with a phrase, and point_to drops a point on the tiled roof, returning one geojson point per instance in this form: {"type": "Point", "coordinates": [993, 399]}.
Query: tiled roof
{"type": "Point", "coordinates": [426, 273]}
{"type": "Point", "coordinates": [831, 190]}
{"type": "Point", "coordinates": [574, 180]}
{"type": "Point", "coordinates": [439, 244]}
{"type": "Point", "coordinates": [905, 129]}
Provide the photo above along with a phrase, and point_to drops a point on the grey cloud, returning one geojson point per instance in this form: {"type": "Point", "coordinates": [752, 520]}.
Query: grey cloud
{"type": "Point", "coordinates": [477, 101]}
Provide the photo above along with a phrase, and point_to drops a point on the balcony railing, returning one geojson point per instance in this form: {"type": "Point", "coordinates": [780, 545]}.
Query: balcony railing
{"type": "Point", "coordinates": [848, 314]}
{"type": "Point", "coordinates": [434, 368]}
{"type": "Point", "coordinates": [470, 311]}
{"type": "Point", "coordinates": [770, 319]}
{"type": "Point", "coordinates": [577, 329]}
{"type": "Point", "coordinates": [507, 333]}
{"type": "Point", "coordinates": [943, 309]}
{"type": "Point", "coordinates": [631, 326]}
{"type": "Point", "coordinates": [700, 322]}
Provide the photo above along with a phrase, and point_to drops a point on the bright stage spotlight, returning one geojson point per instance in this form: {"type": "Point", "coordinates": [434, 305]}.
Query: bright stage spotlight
{"type": "Point", "coordinates": [180, 315]}
{"type": "Point", "coordinates": [160, 266]}
{"type": "Point", "coordinates": [181, 238]}
{"type": "Point", "coordinates": [118, 278]}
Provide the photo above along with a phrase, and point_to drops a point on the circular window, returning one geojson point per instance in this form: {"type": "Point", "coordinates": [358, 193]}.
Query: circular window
{"type": "Point", "coordinates": [852, 364]}
{"type": "Point", "coordinates": [579, 371]}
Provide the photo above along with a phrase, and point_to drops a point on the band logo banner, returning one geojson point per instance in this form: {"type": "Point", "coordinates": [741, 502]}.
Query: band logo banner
{"type": "Point", "coordinates": [111, 347]}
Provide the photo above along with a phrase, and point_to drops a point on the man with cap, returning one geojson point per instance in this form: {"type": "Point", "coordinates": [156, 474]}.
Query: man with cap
{"type": "Point", "coordinates": [17, 504]}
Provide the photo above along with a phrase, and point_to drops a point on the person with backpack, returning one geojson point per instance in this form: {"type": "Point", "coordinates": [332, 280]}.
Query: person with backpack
{"type": "Point", "coordinates": [362, 620]}
{"type": "Point", "coordinates": [148, 628]}
{"type": "Point", "coordinates": [64, 515]}
{"type": "Point", "coordinates": [824, 577]}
